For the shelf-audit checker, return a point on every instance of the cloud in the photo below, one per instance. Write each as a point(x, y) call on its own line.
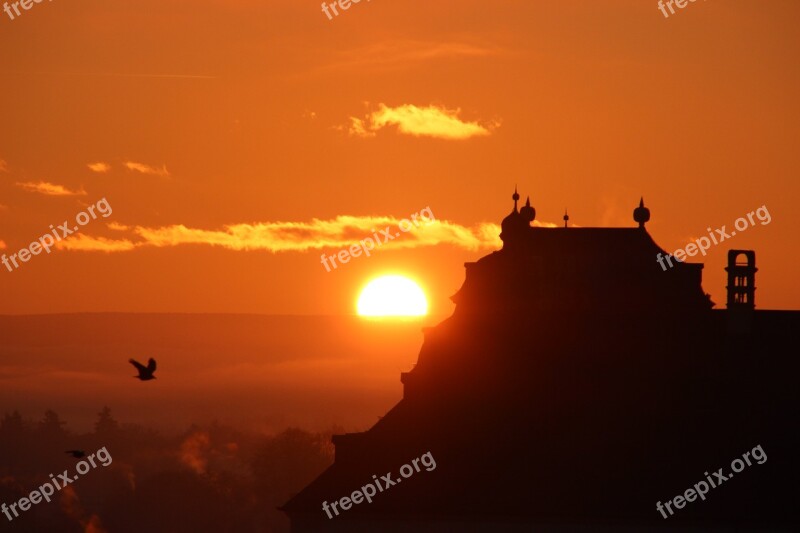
point(3, 166)
point(430, 121)
point(359, 128)
point(49, 189)
point(340, 232)
point(99, 167)
point(147, 169)
point(85, 243)
point(144, 75)
point(3, 245)
point(401, 53)
point(116, 226)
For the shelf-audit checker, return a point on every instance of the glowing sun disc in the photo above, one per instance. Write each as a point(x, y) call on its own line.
point(392, 296)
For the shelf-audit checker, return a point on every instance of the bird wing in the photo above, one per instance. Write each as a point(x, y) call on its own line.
point(139, 366)
point(151, 365)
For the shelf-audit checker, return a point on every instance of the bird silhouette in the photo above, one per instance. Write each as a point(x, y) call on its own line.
point(77, 454)
point(145, 372)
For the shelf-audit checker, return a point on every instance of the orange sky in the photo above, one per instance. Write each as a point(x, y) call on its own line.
point(234, 139)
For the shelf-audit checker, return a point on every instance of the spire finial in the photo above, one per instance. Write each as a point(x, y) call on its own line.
point(515, 197)
point(641, 214)
point(566, 217)
point(528, 212)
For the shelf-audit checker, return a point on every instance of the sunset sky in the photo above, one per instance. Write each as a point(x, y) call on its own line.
point(236, 141)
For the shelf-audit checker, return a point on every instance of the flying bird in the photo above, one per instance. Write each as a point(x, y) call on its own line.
point(77, 454)
point(145, 372)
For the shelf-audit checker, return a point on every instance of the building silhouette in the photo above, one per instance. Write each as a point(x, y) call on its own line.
point(576, 385)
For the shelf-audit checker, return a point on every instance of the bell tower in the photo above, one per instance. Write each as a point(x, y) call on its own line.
point(741, 279)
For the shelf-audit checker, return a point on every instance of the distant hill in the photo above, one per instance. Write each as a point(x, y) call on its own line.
point(257, 370)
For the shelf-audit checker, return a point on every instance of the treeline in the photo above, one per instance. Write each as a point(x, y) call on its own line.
point(208, 478)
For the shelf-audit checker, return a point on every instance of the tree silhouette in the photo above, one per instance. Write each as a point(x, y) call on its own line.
point(16, 440)
point(286, 459)
point(52, 424)
point(106, 424)
point(12, 424)
point(283, 464)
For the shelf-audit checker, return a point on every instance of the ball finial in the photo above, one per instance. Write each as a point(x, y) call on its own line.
point(515, 197)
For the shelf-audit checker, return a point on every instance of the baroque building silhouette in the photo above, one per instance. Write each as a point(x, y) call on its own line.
point(576, 385)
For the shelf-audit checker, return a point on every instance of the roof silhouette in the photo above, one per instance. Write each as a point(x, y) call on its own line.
point(576, 384)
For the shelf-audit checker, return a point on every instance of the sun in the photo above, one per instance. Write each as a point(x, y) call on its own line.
point(392, 296)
